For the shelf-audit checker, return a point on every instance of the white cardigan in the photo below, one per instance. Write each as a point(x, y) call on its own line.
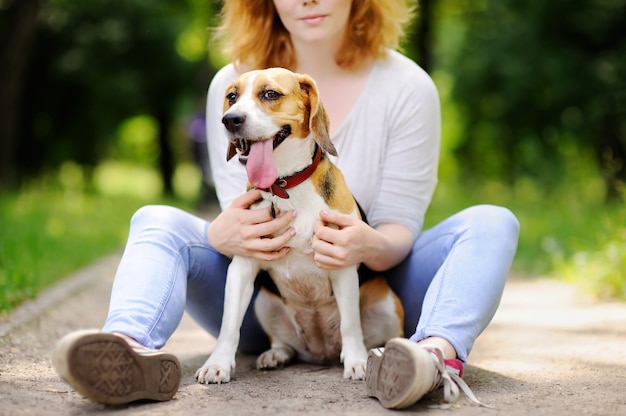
point(388, 144)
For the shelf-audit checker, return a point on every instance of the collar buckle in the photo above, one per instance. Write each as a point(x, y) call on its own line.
point(279, 187)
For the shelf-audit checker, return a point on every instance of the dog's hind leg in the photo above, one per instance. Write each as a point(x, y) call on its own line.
point(382, 315)
point(278, 356)
point(280, 326)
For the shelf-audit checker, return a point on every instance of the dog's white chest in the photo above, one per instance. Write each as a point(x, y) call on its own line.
point(307, 204)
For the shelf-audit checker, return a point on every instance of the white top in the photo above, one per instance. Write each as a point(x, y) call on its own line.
point(388, 145)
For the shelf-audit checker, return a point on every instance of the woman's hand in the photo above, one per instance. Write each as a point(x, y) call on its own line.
point(341, 240)
point(242, 231)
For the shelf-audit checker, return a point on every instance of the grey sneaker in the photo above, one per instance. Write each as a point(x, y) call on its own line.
point(403, 372)
point(114, 369)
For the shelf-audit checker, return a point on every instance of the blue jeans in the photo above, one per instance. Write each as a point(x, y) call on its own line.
point(450, 284)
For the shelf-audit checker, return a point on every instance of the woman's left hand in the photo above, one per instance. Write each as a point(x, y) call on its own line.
point(339, 240)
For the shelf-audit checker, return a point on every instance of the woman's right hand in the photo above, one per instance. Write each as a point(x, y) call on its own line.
point(241, 231)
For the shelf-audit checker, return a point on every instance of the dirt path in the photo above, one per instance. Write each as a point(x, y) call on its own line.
point(547, 352)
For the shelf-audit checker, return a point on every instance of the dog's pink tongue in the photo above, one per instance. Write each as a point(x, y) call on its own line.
point(260, 165)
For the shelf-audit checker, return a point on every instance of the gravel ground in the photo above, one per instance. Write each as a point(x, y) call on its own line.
point(549, 351)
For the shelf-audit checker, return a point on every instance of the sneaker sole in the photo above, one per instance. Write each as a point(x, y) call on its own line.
point(104, 368)
point(393, 375)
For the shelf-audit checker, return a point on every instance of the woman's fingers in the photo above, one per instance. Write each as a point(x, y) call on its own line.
point(327, 255)
point(275, 225)
point(267, 236)
point(269, 255)
point(266, 239)
point(338, 240)
point(246, 199)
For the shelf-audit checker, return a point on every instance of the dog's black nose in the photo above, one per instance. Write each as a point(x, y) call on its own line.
point(233, 121)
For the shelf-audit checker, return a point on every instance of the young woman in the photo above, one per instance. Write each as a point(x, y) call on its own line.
point(385, 124)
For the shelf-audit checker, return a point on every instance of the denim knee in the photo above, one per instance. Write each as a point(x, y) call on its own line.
point(151, 215)
point(494, 220)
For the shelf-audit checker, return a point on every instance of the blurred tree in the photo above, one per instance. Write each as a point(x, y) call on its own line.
point(422, 36)
point(18, 25)
point(537, 81)
point(98, 62)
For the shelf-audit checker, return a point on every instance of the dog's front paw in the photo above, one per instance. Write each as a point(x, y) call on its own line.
point(213, 373)
point(354, 369)
point(274, 358)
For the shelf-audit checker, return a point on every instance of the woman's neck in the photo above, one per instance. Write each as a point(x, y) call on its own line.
point(317, 60)
point(339, 88)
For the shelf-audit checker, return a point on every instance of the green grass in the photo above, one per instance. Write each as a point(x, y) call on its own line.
point(52, 228)
point(48, 234)
point(569, 234)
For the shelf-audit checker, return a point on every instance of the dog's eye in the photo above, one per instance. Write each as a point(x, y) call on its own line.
point(270, 95)
point(232, 98)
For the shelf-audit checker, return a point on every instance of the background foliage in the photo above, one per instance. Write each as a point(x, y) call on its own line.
point(541, 90)
point(100, 93)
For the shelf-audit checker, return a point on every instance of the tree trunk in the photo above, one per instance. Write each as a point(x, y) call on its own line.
point(16, 38)
point(611, 153)
point(423, 34)
point(166, 159)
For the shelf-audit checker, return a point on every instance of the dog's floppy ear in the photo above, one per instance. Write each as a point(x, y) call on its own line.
point(318, 119)
point(232, 151)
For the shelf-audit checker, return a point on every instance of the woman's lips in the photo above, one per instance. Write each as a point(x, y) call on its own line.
point(314, 19)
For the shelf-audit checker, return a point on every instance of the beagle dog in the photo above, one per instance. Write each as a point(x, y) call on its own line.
point(277, 125)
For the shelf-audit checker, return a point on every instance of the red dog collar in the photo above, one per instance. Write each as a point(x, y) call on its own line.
point(279, 187)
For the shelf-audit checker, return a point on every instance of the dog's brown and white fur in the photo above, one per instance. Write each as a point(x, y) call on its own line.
point(319, 314)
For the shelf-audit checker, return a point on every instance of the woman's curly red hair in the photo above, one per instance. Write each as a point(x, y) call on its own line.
point(255, 38)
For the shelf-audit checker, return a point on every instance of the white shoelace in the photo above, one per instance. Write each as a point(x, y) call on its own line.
point(451, 382)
